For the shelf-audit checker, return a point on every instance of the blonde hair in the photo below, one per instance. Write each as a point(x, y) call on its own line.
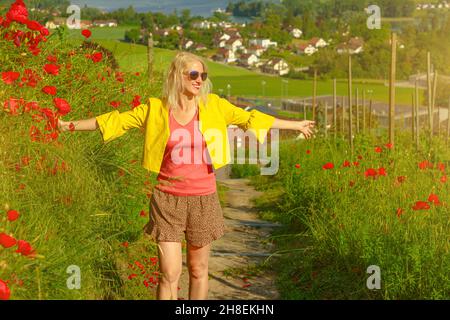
point(173, 84)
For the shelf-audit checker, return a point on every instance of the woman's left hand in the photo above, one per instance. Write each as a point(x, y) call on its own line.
point(306, 127)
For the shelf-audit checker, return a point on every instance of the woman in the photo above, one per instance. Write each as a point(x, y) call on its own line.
point(185, 138)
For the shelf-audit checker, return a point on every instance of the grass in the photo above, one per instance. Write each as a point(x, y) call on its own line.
point(338, 222)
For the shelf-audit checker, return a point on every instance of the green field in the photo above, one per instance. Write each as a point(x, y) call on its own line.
point(133, 57)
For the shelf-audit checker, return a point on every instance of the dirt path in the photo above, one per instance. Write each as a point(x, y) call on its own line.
point(241, 246)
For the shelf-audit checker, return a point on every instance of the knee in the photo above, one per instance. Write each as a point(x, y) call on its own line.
point(171, 276)
point(199, 270)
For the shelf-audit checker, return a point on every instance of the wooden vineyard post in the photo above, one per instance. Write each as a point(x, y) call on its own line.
point(343, 117)
point(433, 99)
point(448, 120)
point(413, 117)
point(430, 116)
point(357, 110)
point(370, 116)
point(304, 109)
point(392, 87)
point(150, 57)
point(314, 95)
point(364, 111)
point(334, 109)
point(417, 115)
point(350, 94)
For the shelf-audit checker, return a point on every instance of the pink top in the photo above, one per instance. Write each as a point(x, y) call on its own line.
point(183, 160)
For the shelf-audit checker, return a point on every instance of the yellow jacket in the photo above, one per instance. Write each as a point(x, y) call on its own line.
point(214, 119)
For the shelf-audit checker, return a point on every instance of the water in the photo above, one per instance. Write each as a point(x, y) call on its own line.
point(197, 7)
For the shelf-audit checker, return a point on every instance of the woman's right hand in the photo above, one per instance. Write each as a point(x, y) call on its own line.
point(61, 125)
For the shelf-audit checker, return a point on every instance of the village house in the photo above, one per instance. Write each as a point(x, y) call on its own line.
point(306, 49)
point(105, 23)
point(353, 46)
point(265, 43)
point(205, 24)
point(248, 60)
point(58, 22)
point(257, 50)
point(233, 44)
point(318, 42)
point(276, 66)
point(295, 32)
point(186, 44)
point(200, 47)
point(224, 55)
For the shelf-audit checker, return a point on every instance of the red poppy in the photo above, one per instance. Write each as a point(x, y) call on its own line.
point(97, 57)
point(356, 163)
point(71, 127)
point(142, 213)
point(443, 179)
point(18, 12)
point(10, 76)
point(13, 215)
point(360, 157)
point(433, 198)
point(49, 90)
point(86, 33)
point(131, 276)
point(328, 165)
point(119, 76)
point(297, 166)
point(115, 104)
point(308, 151)
point(7, 241)
point(34, 25)
point(421, 205)
point(5, 293)
point(351, 183)
point(378, 149)
point(125, 244)
point(25, 161)
point(52, 59)
point(381, 171)
point(346, 163)
point(425, 164)
point(441, 166)
point(370, 172)
point(136, 101)
point(62, 105)
point(399, 212)
point(389, 145)
point(51, 69)
point(24, 248)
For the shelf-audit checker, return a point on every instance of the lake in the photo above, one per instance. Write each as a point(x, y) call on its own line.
point(197, 7)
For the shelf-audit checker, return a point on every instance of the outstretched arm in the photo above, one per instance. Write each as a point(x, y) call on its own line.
point(81, 125)
point(306, 127)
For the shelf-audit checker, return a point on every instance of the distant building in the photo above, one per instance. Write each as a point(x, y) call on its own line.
point(200, 47)
point(353, 46)
point(318, 42)
point(248, 59)
point(276, 66)
point(255, 49)
point(186, 44)
point(225, 55)
point(105, 23)
point(296, 33)
point(265, 43)
point(233, 44)
point(306, 49)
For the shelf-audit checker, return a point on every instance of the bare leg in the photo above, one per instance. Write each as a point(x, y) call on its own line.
point(170, 262)
point(197, 261)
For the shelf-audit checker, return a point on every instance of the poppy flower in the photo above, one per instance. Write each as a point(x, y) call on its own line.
point(136, 101)
point(71, 127)
point(297, 166)
point(346, 163)
point(13, 215)
point(131, 276)
point(351, 183)
point(441, 166)
point(421, 205)
point(142, 213)
point(425, 164)
point(328, 165)
point(62, 105)
point(5, 293)
point(125, 244)
point(86, 33)
point(401, 179)
point(399, 212)
point(25, 161)
point(308, 151)
point(360, 157)
point(7, 241)
point(115, 104)
point(389, 145)
point(97, 57)
point(10, 76)
point(433, 198)
point(52, 59)
point(34, 25)
point(51, 69)
point(24, 248)
point(356, 163)
point(381, 171)
point(49, 90)
point(370, 172)
point(378, 149)
point(443, 179)
point(18, 12)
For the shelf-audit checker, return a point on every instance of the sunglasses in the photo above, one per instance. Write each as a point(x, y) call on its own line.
point(193, 75)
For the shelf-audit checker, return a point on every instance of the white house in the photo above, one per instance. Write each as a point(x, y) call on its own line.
point(276, 66)
point(318, 42)
point(105, 23)
point(248, 59)
point(296, 33)
point(265, 43)
point(187, 44)
point(257, 50)
point(200, 47)
point(225, 55)
point(353, 46)
point(306, 49)
point(233, 44)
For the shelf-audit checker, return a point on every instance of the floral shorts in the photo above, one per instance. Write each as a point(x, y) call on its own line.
point(199, 217)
